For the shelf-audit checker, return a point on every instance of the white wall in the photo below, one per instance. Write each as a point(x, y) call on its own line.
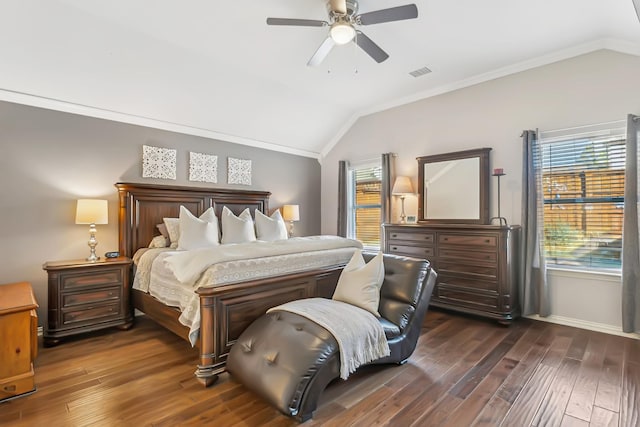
point(598, 87)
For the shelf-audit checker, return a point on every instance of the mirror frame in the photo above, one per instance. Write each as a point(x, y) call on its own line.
point(483, 181)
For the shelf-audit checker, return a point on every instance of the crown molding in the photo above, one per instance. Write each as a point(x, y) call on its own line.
point(100, 113)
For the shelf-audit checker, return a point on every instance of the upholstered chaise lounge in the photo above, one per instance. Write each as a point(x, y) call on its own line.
point(289, 360)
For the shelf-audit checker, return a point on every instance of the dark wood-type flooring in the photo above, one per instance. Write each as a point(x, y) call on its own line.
point(464, 372)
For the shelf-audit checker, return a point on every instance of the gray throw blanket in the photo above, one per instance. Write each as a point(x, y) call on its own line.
point(359, 334)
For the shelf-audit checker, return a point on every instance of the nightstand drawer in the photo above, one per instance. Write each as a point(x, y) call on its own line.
point(92, 278)
point(98, 296)
point(100, 313)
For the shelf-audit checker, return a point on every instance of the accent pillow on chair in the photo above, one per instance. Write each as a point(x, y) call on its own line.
point(237, 229)
point(270, 228)
point(359, 283)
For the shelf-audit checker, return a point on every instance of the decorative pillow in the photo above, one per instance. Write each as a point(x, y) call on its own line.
point(173, 230)
point(162, 228)
point(359, 283)
point(159, 242)
point(197, 232)
point(270, 228)
point(237, 229)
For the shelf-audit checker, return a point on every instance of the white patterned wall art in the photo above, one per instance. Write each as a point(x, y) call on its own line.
point(203, 167)
point(239, 171)
point(158, 162)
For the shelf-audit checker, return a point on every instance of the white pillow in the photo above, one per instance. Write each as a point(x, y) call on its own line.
point(359, 283)
point(270, 228)
point(158, 242)
point(197, 232)
point(237, 229)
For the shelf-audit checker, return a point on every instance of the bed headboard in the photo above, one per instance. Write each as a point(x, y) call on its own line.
point(142, 207)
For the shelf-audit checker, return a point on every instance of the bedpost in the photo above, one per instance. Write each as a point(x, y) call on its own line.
point(207, 372)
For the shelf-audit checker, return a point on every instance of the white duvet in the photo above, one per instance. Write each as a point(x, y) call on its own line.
point(187, 266)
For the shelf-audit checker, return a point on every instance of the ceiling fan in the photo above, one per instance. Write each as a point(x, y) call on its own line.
point(343, 19)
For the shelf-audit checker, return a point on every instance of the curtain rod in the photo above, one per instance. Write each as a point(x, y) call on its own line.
point(621, 122)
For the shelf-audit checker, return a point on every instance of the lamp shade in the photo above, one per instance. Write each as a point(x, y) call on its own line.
point(291, 212)
point(92, 211)
point(402, 185)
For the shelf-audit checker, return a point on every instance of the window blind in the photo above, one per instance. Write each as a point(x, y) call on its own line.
point(583, 192)
point(367, 204)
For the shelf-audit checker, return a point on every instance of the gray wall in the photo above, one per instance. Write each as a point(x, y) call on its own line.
point(590, 89)
point(49, 159)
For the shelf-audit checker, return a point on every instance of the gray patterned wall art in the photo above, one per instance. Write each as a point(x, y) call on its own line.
point(203, 167)
point(239, 171)
point(158, 162)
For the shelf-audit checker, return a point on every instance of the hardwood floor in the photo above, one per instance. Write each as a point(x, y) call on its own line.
point(464, 372)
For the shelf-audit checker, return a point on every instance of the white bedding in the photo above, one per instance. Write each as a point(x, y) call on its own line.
point(155, 275)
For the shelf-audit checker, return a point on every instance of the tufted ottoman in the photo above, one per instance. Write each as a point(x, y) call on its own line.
point(289, 360)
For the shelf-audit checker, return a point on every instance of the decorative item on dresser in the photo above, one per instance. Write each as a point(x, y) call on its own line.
point(86, 296)
point(477, 265)
point(18, 340)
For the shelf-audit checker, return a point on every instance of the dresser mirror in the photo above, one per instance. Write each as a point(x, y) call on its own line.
point(454, 187)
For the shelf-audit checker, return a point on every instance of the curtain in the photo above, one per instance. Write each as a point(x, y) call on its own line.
point(534, 294)
point(388, 177)
point(343, 198)
point(630, 237)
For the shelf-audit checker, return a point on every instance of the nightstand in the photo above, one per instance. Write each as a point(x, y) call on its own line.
point(87, 296)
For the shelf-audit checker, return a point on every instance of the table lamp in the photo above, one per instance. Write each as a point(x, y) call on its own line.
point(401, 187)
point(291, 213)
point(92, 212)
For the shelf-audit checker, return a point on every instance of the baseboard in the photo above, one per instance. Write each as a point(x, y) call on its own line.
point(584, 324)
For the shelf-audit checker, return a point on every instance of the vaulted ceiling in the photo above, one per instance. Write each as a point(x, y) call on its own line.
point(215, 69)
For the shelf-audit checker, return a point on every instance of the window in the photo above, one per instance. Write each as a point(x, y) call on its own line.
point(583, 191)
point(365, 204)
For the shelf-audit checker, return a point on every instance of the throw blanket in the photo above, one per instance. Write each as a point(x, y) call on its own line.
point(359, 334)
point(187, 266)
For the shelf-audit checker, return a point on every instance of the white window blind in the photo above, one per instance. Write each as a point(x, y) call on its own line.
point(365, 204)
point(583, 191)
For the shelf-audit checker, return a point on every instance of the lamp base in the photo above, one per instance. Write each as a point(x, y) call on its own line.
point(290, 229)
point(92, 244)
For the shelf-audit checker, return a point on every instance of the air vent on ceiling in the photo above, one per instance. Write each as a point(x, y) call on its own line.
point(420, 72)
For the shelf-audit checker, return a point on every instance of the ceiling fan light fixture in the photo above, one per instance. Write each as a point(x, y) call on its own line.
point(342, 32)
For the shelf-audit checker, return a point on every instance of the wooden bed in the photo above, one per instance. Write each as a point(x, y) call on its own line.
point(225, 310)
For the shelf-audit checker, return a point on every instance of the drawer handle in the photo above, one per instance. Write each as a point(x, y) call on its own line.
point(394, 248)
point(446, 239)
point(487, 241)
point(394, 235)
point(10, 388)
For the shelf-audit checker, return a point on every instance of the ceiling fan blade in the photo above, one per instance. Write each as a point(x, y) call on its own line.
point(339, 6)
point(636, 4)
point(399, 13)
point(372, 49)
point(322, 52)
point(296, 22)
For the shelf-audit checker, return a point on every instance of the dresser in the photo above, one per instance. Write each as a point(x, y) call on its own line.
point(477, 265)
point(87, 296)
point(18, 339)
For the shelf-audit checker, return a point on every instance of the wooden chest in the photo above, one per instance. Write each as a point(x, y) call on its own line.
point(18, 339)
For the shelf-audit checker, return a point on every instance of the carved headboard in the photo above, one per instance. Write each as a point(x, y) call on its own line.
point(143, 206)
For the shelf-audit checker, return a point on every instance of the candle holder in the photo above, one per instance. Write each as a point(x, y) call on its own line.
point(498, 172)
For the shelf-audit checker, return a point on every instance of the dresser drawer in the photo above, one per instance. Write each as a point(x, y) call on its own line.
point(17, 385)
point(414, 251)
point(467, 299)
point(465, 269)
point(468, 283)
point(93, 314)
point(488, 256)
point(407, 236)
point(91, 278)
point(91, 297)
point(468, 240)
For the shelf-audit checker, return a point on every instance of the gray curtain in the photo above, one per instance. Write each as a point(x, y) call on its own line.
point(630, 237)
point(343, 201)
point(388, 177)
point(534, 294)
